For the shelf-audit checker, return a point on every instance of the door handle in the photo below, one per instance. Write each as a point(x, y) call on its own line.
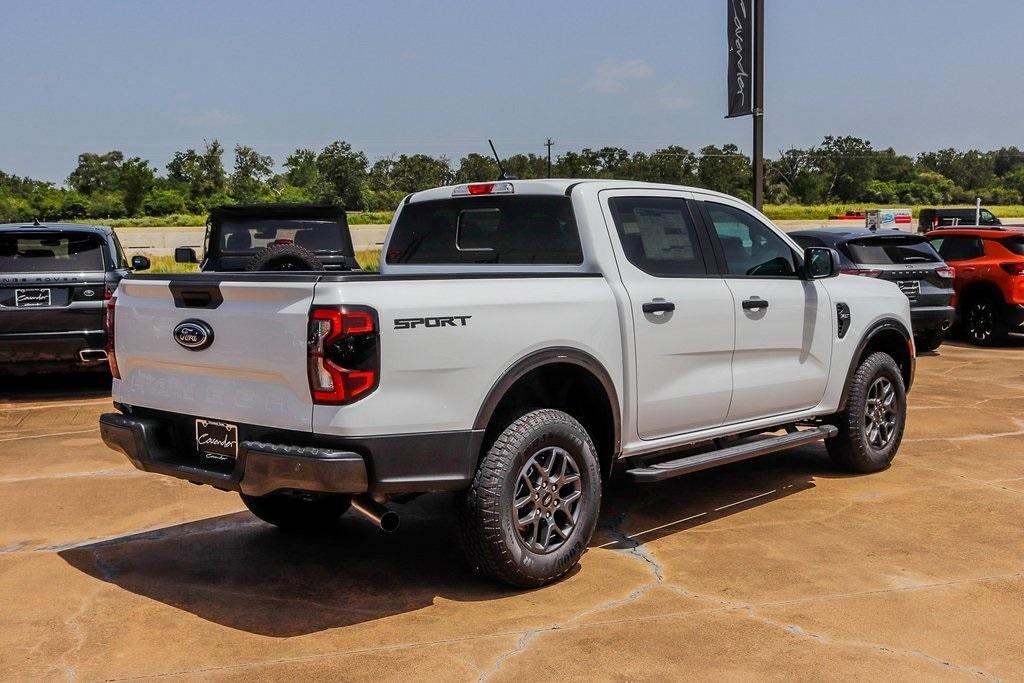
point(659, 307)
point(754, 304)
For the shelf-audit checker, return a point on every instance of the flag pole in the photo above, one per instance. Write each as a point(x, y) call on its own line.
point(758, 154)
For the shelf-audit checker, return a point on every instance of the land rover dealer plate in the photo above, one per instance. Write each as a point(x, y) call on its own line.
point(216, 440)
point(27, 298)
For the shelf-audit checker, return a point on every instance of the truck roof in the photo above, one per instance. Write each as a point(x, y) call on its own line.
point(558, 186)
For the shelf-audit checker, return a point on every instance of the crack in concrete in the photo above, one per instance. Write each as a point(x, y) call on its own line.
point(797, 630)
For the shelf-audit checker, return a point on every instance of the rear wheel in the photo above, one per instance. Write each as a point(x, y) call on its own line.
point(983, 322)
point(533, 505)
point(871, 426)
point(298, 512)
point(929, 341)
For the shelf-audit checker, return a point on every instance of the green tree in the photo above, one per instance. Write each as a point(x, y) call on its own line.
point(673, 164)
point(135, 178)
point(847, 163)
point(300, 169)
point(475, 168)
point(96, 172)
point(251, 173)
point(344, 171)
point(970, 170)
point(725, 169)
point(203, 173)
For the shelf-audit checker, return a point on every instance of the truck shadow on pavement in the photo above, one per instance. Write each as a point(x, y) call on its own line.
point(45, 387)
point(236, 571)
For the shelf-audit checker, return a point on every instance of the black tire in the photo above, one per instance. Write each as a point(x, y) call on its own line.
point(860, 445)
point(983, 323)
point(929, 341)
point(533, 553)
point(298, 513)
point(284, 257)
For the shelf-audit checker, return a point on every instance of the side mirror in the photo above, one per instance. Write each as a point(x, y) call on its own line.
point(140, 263)
point(185, 255)
point(820, 262)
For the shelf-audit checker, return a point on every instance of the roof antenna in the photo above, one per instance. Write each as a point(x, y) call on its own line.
point(35, 222)
point(505, 175)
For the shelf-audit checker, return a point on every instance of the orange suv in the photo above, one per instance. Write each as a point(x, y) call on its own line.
point(989, 282)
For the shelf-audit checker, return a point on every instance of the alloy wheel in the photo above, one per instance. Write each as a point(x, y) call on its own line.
point(981, 321)
point(546, 503)
point(881, 413)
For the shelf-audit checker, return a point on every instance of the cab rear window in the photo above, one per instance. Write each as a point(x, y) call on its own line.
point(515, 230)
point(42, 252)
point(891, 250)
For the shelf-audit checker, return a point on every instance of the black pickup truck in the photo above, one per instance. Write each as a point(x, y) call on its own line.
point(55, 280)
point(274, 237)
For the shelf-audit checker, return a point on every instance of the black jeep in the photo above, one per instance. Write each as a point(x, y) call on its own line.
point(275, 237)
point(55, 280)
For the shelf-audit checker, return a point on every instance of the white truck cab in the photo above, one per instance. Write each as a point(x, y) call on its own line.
point(524, 340)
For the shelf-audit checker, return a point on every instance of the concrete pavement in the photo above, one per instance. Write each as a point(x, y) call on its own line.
point(780, 568)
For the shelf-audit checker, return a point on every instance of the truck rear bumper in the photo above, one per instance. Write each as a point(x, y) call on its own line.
point(263, 467)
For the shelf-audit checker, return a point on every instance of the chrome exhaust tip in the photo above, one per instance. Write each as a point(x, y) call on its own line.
point(946, 324)
point(92, 355)
point(387, 520)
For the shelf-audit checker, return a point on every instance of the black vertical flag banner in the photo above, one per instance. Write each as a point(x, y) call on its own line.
point(740, 85)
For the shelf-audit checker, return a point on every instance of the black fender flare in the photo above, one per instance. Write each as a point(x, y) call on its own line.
point(872, 332)
point(550, 356)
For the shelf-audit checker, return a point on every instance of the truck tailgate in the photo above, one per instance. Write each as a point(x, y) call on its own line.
point(254, 371)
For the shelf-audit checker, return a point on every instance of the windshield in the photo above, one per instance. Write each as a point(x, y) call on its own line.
point(50, 252)
point(538, 230)
point(891, 250)
point(248, 236)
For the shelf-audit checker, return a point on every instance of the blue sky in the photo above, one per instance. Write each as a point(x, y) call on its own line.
point(441, 77)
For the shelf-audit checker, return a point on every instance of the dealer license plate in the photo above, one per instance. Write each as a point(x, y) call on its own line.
point(216, 440)
point(28, 298)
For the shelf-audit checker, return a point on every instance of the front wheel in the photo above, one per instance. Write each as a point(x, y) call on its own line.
point(871, 426)
point(290, 512)
point(533, 504)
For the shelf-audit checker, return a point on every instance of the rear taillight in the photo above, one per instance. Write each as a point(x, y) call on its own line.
point(946, 271)
point(344, 354)
point(108, 291)
point(865, 272)
point(108, 322)
point(1014, 268)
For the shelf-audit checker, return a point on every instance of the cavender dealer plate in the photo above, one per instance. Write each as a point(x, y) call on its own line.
point(216, 440)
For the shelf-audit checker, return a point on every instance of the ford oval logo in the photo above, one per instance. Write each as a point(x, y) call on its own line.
point(194, 335)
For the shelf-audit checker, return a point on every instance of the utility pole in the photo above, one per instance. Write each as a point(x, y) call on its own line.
point(548, 145)
point(758, 104)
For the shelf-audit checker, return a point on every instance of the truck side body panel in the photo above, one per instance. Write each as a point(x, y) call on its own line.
point(445, 342)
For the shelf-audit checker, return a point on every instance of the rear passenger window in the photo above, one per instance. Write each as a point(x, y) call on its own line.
point(657, 235)
point(752, 249)
point(959, 247)
point(515, 230)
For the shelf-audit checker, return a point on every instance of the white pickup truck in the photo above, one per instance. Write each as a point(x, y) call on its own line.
point(523, 341)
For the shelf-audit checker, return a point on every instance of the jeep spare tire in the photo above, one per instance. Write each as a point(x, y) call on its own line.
point(284, 257)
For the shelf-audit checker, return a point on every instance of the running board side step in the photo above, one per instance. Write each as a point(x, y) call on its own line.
point(744, 451)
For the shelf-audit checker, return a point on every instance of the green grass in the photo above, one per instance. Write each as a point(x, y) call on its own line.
point(167, 264)
point(369, 260)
